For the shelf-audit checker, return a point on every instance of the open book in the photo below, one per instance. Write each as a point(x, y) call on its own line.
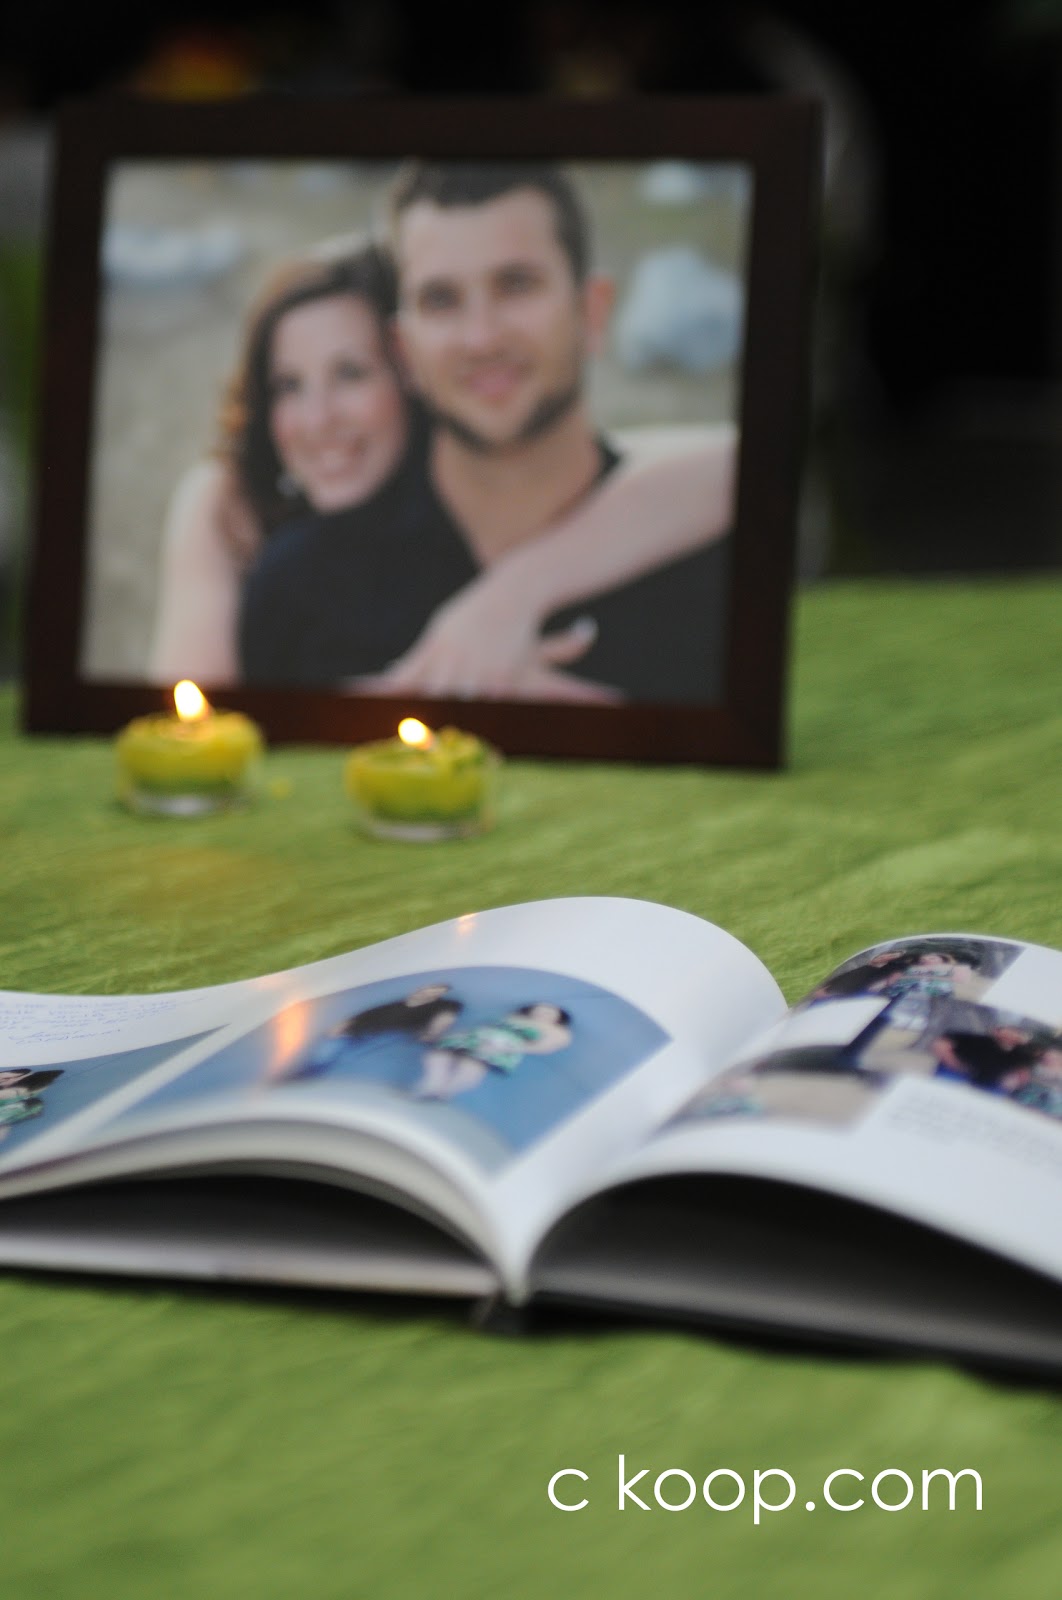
point(591, 1103)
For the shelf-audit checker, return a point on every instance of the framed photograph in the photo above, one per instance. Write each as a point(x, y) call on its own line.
point(489, 412)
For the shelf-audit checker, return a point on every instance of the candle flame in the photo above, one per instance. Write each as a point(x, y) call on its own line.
point(190, 702)
point(412, 731)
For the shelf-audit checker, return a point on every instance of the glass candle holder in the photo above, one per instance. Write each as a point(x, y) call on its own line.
point(423, 787)
point(188, 765)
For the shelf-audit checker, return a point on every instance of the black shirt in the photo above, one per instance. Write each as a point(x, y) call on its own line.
point(335, 596)
point(858, 980)
point(398, 1017)
point(984, 1061)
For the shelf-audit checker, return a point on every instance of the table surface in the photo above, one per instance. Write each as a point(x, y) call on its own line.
point(181, 1442)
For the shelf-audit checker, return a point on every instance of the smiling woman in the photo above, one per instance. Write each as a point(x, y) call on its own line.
point(313, 418)
point(337, 415)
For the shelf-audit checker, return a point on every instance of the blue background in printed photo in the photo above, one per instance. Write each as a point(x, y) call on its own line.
point(610, 1037)
point(86, 1081)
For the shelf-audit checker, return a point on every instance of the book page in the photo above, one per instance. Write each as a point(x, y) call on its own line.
point(508, 1052)
point(684, 996)
point(45, 1029)
point(924, 1075)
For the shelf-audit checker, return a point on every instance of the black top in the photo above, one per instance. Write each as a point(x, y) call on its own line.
point(338, 595)
point(859, 980)
point(985, 1061)
point(399, 1017)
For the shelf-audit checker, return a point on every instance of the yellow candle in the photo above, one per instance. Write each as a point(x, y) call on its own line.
point(423, 785)
point(190, 763)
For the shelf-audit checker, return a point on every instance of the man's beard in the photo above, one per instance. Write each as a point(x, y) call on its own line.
point(550, 410)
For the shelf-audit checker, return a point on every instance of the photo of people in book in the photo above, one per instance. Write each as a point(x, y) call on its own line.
point(455, 1059)
point(979, 1047)
point(21, 1099)
point(445, 428)
point(921, 968)
point(931, 1022)
point(491, 1058)
point(34, 1100)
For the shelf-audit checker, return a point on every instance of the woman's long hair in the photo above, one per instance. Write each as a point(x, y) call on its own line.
point(364, 270)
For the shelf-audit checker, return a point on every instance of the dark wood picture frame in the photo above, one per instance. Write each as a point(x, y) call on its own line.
point(777, 139)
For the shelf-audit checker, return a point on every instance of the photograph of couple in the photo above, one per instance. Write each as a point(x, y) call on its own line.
point(489, 1059)
point(445, 429)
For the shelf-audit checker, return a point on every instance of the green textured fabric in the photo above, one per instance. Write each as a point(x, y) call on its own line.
point(183, 1443)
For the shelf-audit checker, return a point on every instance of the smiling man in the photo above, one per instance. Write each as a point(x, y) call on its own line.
point(500, 314)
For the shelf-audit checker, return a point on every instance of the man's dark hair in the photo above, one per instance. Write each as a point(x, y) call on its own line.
point(474, 183)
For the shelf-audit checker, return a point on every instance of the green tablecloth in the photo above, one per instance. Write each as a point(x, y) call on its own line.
point(181, 1443)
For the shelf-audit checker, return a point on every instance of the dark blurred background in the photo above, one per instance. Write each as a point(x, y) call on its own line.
point(937, 432)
